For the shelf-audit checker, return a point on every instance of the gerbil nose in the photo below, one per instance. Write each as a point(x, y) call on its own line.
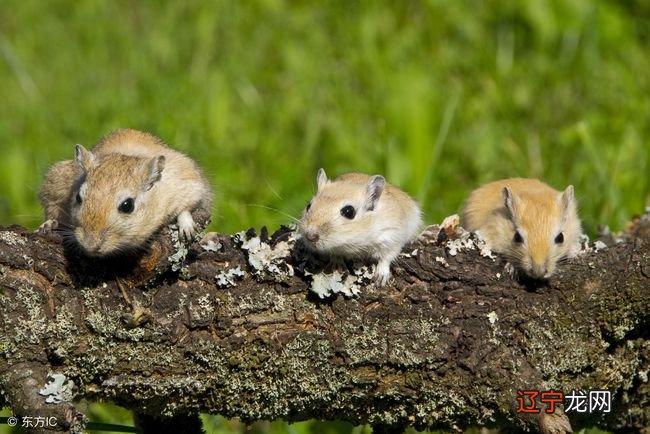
point(88, 241)
point(312, 236)
point(539, 271)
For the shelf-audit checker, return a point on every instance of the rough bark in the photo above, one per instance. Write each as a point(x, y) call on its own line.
point(447, 344)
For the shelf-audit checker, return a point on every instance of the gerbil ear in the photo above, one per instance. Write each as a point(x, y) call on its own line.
point(510, 200)
point(568, 200)
point(84, 157)
point(155, 167)
point(373, 192)
point(321, 178)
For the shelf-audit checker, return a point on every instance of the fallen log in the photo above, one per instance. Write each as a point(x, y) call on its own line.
point(251, 326)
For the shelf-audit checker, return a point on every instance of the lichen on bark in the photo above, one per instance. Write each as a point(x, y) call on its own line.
point(446, 344)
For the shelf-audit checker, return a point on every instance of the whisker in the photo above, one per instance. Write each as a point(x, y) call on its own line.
point(563, 260)
point(295, 220)
point(268, 184)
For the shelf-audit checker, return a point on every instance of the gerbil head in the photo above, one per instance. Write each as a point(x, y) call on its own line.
point(340, 216)
point(112, 210)
point(545, 229)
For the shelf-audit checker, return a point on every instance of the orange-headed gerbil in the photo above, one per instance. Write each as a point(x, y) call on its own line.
point(360, 216)
point(533, 225)
point(112, 199)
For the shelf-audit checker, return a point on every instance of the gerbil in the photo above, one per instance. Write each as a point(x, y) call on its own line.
point(531, 224)
point(358, 215)
point(113, 198)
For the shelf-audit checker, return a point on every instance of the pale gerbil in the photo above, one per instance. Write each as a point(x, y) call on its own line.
point(531, 224)
point(113, 199)
point(358, 215)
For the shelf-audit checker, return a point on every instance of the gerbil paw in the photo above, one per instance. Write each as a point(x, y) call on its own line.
point(186, 226)
point(510, 269)
point(382, 272)
point(381, 279)
point(47, 227)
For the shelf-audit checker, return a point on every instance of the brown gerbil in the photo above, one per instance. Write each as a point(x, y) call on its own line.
point(531, 224)
point(113, 198)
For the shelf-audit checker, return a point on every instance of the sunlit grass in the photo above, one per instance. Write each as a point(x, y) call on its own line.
point(263, 93)
point(439, 96)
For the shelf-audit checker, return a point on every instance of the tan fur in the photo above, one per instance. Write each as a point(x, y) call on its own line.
point(379, 233)
point(540, 214)
point(57, 192)
point(118, 168)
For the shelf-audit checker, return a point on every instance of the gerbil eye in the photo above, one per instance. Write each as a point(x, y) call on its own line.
point(560, 238)
point(308, 206)
point(78, 198)
point(126, 207)
point(348, 212)
point(518, 238)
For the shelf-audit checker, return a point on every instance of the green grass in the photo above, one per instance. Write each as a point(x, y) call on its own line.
point(440, 96)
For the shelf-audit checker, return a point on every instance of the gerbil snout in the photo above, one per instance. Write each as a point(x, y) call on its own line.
point(91, 243)
point(539, 271)
point(312, 235)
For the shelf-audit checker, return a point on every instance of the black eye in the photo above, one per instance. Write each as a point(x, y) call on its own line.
point(126, 207)
point(78, 198)
point(560, 238)
point(518, 238)
point(348, 212)
point(308, 207)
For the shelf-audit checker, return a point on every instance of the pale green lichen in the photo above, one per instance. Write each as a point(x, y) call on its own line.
point(110, 322)
point(267, 261)
point(63, 331)
point(180, 309)
point(30, 329)
point(58, 389)
point(495, 332)
point(12, 238)
point(350, 285)
point(464, 241)
point(177, 260)
point(325, 285)
point(211, 245)
point(201, 311)
point(406, 351)
point(543, 341)
point(442, 261)
point(624, 326)
point(228, 278)
point(265, 299)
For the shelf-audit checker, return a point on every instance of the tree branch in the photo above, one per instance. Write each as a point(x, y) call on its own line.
point(238, 332)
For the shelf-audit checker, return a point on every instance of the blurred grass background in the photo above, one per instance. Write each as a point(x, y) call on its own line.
point(439, 96)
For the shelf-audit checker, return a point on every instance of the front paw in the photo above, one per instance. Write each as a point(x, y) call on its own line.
point(47, 227)
point(186, 226)
point(381, 279)
point(382, 273)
